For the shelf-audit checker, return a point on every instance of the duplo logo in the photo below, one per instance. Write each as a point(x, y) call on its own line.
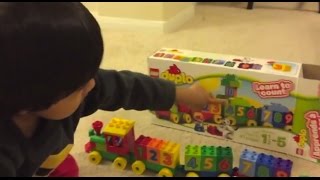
point(174, 74)
point(301, 138)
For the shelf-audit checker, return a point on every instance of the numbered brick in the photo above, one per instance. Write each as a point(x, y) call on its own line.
point(277, 120)
point(241, 115)
point(192, 158)
point(208, 160)
point(229, 111)
point(170, 154)
point(141, 147)
point(153, 153)
point(247, 164)
point(224, 159)
point(266, 116)
point(281, 167)
point(288, 118)
point(215, 108)
point(264, 165)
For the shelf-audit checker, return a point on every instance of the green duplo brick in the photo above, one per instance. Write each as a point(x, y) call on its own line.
point(227, 153)
point(174, 109)
point(225, 159)
point(196, 59)
point(97, 139)
point(91, 132)
point(192, 158)
point(208, 160)
point(101, 147)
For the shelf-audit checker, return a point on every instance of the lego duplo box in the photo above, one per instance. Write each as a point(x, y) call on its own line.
point(265, 103)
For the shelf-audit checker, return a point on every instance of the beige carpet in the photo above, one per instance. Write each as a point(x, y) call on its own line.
point(266, 32)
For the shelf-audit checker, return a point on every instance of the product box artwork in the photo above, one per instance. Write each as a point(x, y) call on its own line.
point(265, 103)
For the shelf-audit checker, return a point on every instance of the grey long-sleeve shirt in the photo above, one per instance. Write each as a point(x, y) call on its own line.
point(53, 139)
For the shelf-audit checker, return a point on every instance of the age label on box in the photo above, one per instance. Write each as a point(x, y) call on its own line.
point(313, 124)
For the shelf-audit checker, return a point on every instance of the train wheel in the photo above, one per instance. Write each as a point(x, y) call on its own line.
point(233, 121)
point(187, 118)
point(192, 174)
point(138, 167)
point(120, 163)
point(223, 175)
point(288, 128)
point(252, 123)
point(174, 118)
point(165, 172)
point(95, 157)
point(267, 124)
point(217, 119)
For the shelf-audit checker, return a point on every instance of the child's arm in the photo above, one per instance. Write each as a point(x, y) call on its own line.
point(130, 90)
point(7, 167)
point(195, 96)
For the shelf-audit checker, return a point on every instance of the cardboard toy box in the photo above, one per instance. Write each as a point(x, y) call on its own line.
point(269, 104)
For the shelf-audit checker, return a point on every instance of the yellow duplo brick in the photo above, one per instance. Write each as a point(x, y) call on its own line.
point(118, 127)
point(170, 155)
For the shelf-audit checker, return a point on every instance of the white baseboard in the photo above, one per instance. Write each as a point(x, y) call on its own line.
point(146, 25)
point(179, 19)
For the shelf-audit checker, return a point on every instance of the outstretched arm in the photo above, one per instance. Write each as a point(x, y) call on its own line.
point(136, 91)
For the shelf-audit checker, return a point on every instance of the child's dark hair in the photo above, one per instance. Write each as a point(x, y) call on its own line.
point(47, 51)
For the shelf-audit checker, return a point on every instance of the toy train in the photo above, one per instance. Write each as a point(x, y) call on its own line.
point(236, 109)
point(117, 143)
point(274, 115)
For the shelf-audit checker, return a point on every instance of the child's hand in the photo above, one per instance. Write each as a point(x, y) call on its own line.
point(195, 96)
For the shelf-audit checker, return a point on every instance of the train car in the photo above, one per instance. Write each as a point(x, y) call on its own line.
point(156, 155)
point(242, 113)
point(208, 161)
point(253, 164)
point(277, 115)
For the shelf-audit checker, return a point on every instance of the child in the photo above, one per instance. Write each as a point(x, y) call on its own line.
point(50, 55)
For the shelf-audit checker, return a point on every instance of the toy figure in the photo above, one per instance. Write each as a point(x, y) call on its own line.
point(226, 129)
point(199, 125)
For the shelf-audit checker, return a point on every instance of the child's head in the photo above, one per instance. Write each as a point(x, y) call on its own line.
point(49, 53)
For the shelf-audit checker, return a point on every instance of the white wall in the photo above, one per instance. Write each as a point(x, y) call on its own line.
point(138, 10)
point(164, 16)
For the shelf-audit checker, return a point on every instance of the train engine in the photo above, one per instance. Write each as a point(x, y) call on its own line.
point(117, 143)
